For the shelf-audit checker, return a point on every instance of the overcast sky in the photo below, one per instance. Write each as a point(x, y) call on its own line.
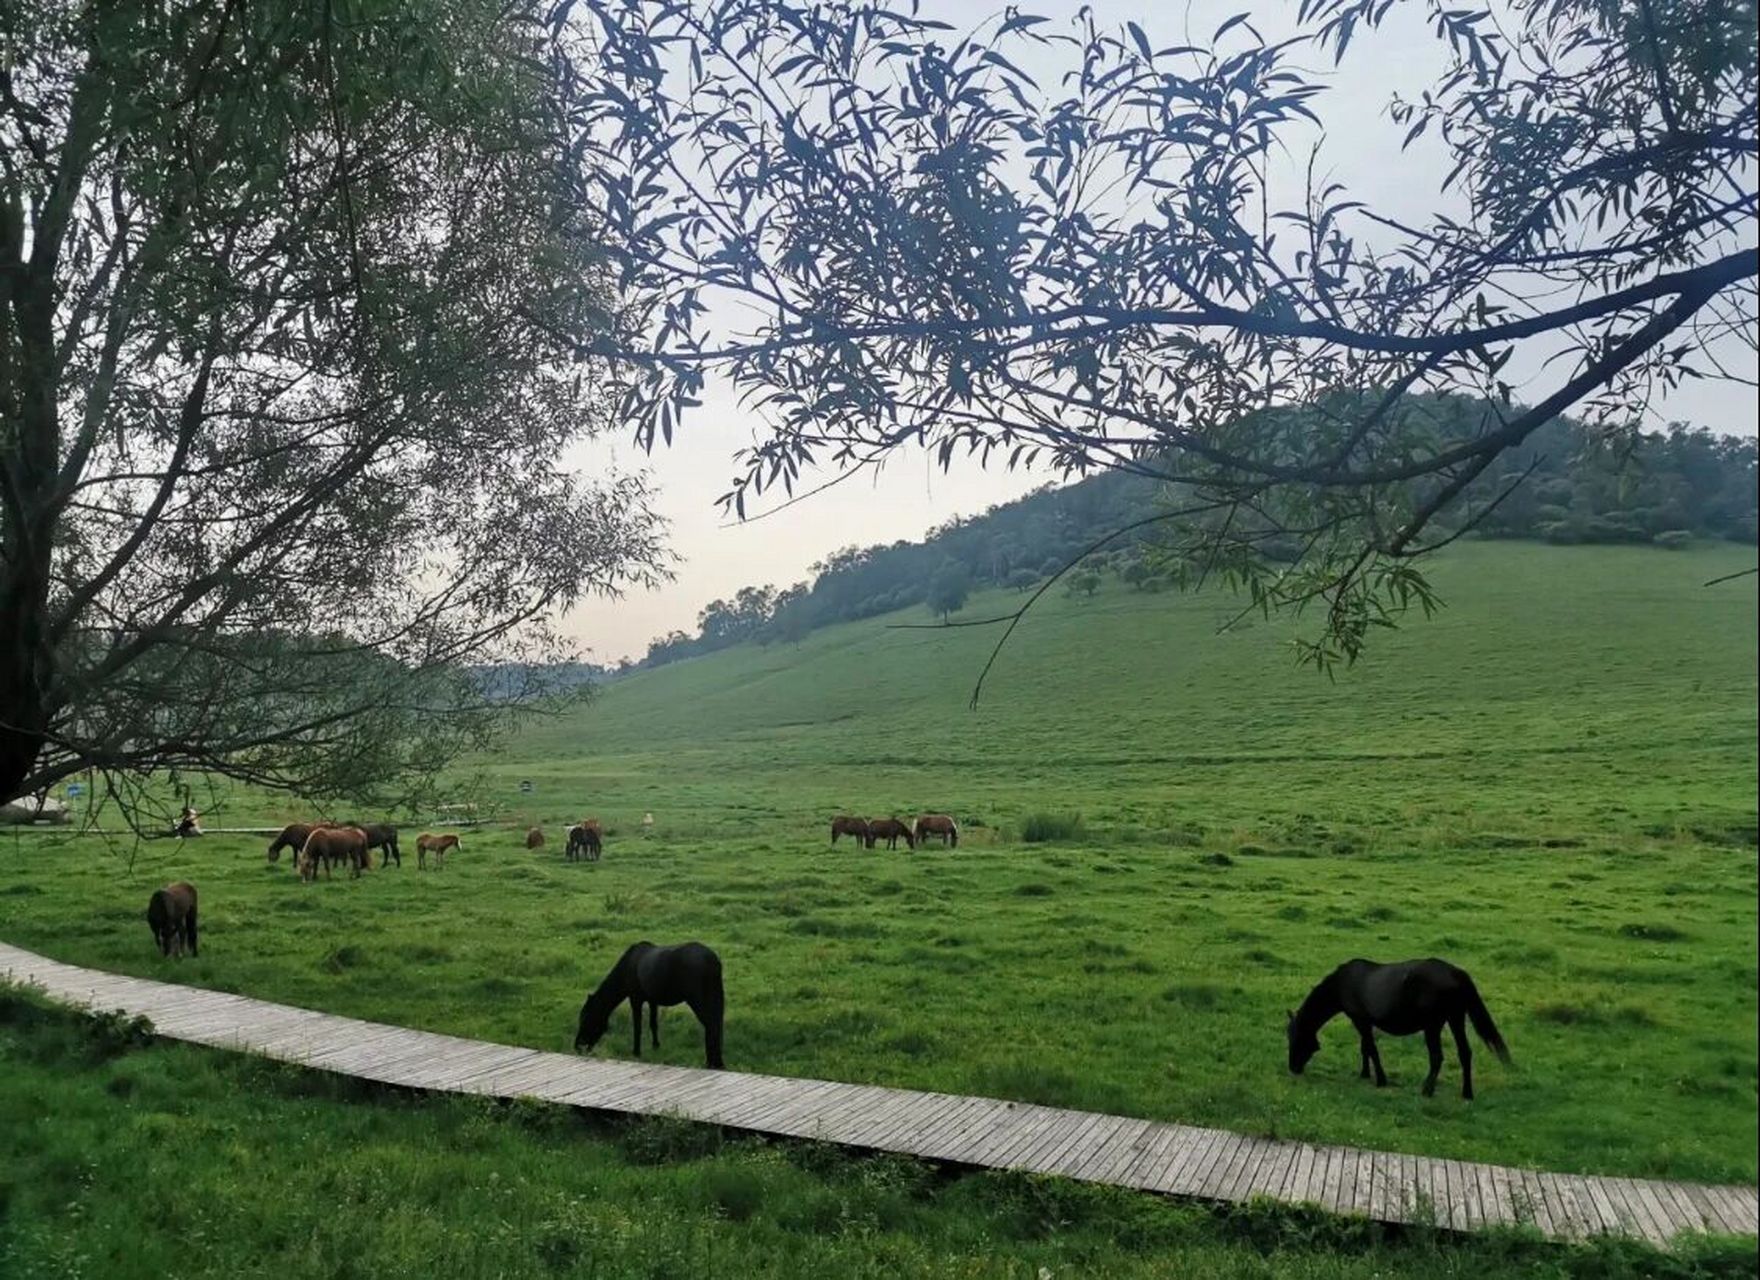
point(909, 496)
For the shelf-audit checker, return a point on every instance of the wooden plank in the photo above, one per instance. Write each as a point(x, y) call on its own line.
point(1616, 1219)
point(1084, 1144)
point(1332, 1194)
point(958, 1129)
point(1682, 1210)
point(1236, 1151)
point(764, 1096)
point(1662, 1214)
point(1588, 1207)
point(1494, 1208)
point(1269, 1177)
point(1008, 1130)
point(1177, 1175)
point(1740, 1207)
point(1696, 1199)
point(879, 1114)
point(1295, 1187)
point(1364, 1201)
point(909, 1118)
point(790, 1106)
point(1030, 1127)
point(1414, 1195)
point(1109, 1153)
point(1262, 1152)
point(1160, 1146)
point(1055, 1127)
point(1208, 1173)
point(1652, 1225)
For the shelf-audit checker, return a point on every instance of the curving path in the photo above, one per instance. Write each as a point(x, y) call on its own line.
point(1173, 1159)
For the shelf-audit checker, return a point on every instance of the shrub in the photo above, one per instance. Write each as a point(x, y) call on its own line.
point(1040, 828)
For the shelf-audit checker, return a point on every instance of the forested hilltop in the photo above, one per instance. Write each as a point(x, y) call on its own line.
point(1668, 488)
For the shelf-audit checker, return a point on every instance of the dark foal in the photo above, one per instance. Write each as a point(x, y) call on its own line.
point(1400, 999)
point(383, 837)
point(688, 973)
point(171, 915)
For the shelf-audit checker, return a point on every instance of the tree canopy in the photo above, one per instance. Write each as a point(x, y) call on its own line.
point(292, 301)
point(1135, 265)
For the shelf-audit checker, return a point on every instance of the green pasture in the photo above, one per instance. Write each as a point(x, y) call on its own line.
point(1551, 783)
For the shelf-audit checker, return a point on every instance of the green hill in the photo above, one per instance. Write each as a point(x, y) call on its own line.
point(1588, 691)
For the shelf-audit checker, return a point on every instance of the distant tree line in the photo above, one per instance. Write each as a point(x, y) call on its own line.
point(1564, 485)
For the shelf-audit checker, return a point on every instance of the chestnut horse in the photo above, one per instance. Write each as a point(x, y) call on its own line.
point(331, 845)
point(844, 825)
point(427, 843)
point(171, 914)
point(889, 830)
point(938, 824)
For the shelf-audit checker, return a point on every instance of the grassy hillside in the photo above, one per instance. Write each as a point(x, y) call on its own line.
point(1597, 690)
point(1551, 783)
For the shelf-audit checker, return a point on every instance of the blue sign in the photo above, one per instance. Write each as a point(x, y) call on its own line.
point(75, 790)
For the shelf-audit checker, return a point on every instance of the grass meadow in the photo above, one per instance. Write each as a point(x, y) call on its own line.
point(1170, 834)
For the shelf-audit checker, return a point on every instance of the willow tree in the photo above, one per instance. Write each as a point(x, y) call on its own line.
point(292, 297)
point(881, 230)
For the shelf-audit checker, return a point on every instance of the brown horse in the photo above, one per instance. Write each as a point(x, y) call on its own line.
point(586, 840)
point(331, 845)
point(437, 845)
point(171, 914)
point(293, 836)
point(535, 838)
point(889, 830)
point(938, 824)
point(844, 825)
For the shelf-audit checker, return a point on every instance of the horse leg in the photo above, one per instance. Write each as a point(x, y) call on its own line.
point(1433, 1042)
point(654, 1024)
point(709, 1009)
point(1463, 1051)
point(189, 929)
point(1375, 1057)
point(635, 1016)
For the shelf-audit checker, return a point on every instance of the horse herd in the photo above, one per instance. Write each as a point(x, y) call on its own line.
point(586, 841)
point(870, 831)
point(1406, 998)
point(325, 844)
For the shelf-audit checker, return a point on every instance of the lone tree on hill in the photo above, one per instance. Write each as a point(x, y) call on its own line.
point(292, 298)
point(948, 589)
point(1128, 262)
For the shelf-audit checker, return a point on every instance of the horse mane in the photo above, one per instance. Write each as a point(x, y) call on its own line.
point(1321, 1003)
point(615, 978)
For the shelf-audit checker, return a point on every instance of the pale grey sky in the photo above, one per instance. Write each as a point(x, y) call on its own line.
point(907, 498)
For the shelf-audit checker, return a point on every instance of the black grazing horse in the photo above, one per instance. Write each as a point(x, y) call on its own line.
point(1400, 999)
point(688, 973)
point(383, 837)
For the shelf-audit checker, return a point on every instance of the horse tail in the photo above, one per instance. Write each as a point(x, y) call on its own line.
point(1480, 1017)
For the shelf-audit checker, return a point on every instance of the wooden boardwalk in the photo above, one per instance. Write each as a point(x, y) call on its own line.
point(1172, 1159)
